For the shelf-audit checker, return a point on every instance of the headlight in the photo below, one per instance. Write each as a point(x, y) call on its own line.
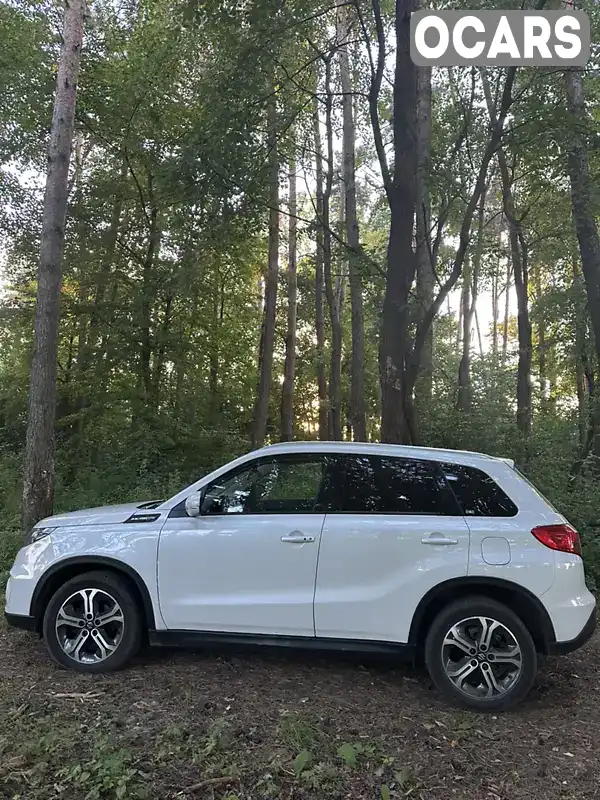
point(36, 534)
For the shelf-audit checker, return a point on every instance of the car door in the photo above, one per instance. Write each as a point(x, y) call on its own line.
point(397, 532)
point(248, 563)
point(502, 545)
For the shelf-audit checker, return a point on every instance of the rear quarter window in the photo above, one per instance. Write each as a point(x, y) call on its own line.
point(477, 494)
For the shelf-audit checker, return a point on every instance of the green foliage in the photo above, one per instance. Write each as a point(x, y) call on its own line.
point(166, 244)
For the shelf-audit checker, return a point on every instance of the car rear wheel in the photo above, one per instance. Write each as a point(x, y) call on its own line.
point(480, 655)
point(93, 623)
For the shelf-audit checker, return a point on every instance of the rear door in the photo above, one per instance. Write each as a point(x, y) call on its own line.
point(395, 534)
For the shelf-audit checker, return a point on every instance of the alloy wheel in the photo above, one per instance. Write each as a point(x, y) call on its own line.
point(482, 657)
point(89, 626)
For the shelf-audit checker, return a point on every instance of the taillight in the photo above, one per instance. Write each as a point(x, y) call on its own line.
point(561, 537)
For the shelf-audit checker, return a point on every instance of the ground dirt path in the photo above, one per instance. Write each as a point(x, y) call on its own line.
point(276, 725)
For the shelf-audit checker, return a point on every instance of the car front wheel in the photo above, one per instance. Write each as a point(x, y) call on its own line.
point(93, 623)
point(480, 655)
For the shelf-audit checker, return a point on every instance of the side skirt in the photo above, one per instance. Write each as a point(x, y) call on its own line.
point(192, 639)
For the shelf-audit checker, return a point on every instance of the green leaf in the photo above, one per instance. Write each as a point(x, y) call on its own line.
point(403, 777)
point(385, 792)
point(301, 761)
point(348, 753)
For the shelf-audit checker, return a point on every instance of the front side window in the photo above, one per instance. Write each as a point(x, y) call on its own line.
point(477, 494)
point(270, 486)
point(389, 485)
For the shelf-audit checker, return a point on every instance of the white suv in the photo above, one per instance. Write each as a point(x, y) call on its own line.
point(360, 547)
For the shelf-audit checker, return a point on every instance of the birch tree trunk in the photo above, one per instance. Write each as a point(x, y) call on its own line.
point(38, 484)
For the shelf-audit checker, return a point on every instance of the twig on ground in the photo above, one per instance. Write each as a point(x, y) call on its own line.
point(205, 784)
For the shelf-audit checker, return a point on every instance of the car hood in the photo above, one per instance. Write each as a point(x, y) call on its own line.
point(103, 515)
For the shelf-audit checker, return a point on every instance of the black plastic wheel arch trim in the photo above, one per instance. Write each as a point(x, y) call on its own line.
point(478, 584)
point(93, 562)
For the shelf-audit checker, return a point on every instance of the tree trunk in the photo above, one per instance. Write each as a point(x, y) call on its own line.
point(495, 308)
point(463, 401)
point(518, 256)
point(146, 398)
point(287, 399)
point(161, 351)
point(519, 265)
point(469, 300)
point(261, 409)
point(507, 285)
point(319, 299)
point(357, 415)
point(397, 418)
point(425, 268)
point(580, 357)
point(335, 376)
point(584, 218)
point(541, 342)
point(38, 484)
point(215, 332)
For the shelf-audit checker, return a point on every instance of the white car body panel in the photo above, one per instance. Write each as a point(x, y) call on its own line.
point(361, 578)
point(233, 573)
point(135, 545)
point(374, 570)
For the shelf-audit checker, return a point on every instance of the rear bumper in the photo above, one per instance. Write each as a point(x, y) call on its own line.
point(561, 648)
point(23, 621)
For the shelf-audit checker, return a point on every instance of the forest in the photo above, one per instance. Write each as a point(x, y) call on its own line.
point(278, 227)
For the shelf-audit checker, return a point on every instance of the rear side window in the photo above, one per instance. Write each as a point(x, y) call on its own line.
point(381, 485)
point(478, 495)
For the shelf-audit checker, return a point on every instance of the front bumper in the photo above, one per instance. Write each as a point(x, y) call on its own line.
point(562, 648)
point(23, 621)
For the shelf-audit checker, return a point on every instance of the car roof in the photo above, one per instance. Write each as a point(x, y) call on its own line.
point(407, 451)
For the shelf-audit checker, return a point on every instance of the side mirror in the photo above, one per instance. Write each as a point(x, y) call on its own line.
point(193, 504)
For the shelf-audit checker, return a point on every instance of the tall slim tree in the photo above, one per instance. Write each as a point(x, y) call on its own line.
point(469, 306)
point(335, 316)
point(319, 279)
point(357, 363)
point(38, 485)
point(397, 423)
point(267, 338)
point(289, 372)
point(425, 256)
point(584, 218)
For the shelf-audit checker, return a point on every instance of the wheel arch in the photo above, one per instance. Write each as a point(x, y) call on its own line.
point(69, 568)
point(525, 604)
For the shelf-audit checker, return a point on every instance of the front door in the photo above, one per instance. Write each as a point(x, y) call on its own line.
point(248, 563)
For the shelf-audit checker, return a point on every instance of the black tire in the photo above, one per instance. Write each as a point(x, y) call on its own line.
point(129, 632)
point(514, 690)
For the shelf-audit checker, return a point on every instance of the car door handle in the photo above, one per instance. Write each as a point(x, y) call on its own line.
point(297, 538)
point(438, 538)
